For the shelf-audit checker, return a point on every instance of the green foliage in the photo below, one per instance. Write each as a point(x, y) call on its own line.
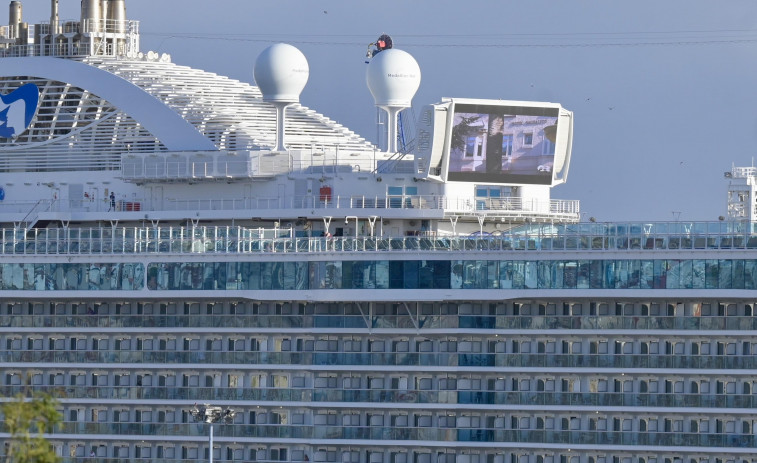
point(460, 131)
point(27, 420)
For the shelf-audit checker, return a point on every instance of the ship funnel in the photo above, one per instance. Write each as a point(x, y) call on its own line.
point(281, 72)
point(15, 17)
point(393, 77)
point(54, 20)
point(91, 15)
point(116, 16)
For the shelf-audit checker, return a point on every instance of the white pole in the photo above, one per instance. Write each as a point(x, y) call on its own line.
point(211, 443)
point(280, 123)
point(391, 132)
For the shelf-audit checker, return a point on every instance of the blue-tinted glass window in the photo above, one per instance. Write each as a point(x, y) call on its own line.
point(673, 274)
point(266, 275)
point(469, 274)
point(423, 274)
point(660, 277)
point(492, 274)
point(584, 274)
point(518, 269)
point(441, 270)
point(301, 277)
point(216, 279)
point(347, 277)
point(634, 274)
point(290, 275)
point(382, 274)
point(506, 275)
point(277, 275)
point(570, 273)
point(456, 274)
point(687, 274)
point(698, 274)
point(750, 274)
point(426, 275)
point(334, 275)
point(737, 271)
point(410, 272)
point(724, 275)
point(596, 280)
point(647, 274)
point(396, 274)
point(530, 275)
point(252, 275)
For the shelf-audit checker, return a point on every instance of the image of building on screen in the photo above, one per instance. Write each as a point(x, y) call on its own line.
point(501, 147)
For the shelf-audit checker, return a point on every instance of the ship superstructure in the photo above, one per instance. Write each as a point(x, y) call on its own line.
point(173, 237)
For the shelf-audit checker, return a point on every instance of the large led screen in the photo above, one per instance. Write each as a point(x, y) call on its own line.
point(502, 144)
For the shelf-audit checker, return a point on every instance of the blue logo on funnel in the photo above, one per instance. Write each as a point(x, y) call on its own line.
point(17, 110)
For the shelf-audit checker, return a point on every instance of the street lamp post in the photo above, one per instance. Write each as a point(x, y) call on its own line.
point(212, 415)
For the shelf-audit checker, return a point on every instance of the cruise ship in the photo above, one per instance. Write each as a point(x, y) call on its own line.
point(198, 268)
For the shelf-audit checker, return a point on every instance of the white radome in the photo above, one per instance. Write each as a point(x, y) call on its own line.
point(393, 77)
point(281, 72)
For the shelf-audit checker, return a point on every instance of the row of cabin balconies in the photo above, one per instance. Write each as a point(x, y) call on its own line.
point(101, 451)
point(695, 313)
point(567, 350)
point(715, 432)
point(715, 422)
point(659, 308)
point(414, 387)
point(641, 420)
point(382, 359)
point(406, 398)
point(359, 321)
point(172, 452)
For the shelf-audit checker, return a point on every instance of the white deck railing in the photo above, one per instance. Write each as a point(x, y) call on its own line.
point(241, 240)
point(448, 205)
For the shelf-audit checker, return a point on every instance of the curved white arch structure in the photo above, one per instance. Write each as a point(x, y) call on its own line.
point(166, 125)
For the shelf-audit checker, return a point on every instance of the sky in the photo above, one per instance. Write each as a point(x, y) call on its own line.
point(662, 92)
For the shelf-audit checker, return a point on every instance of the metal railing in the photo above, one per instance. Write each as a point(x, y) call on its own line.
point(126, 30)
point(743, 172)
point(236, 240)
point(137, 165)
point(388, 359)
point(322, 394)
point(690, 324)
point(514, 207)
point(675, 439)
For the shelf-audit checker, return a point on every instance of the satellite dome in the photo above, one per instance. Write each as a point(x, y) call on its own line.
point(393, 77)
point(281, 72)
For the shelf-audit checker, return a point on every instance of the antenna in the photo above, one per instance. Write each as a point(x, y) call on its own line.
point(393, 77)
point(281, 72)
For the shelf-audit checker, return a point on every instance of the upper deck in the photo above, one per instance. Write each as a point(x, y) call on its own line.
point(74, 38)
point(125, 137)
point(636, 238)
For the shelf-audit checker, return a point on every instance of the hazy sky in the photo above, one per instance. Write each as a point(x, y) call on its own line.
point(663, 92)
